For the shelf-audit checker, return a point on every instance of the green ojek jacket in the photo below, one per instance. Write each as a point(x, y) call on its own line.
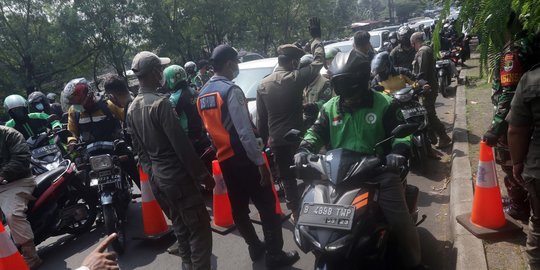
point(360, 130)
point(37, 123)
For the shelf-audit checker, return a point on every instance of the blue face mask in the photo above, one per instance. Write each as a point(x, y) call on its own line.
point(40, 107)
point(78, 108)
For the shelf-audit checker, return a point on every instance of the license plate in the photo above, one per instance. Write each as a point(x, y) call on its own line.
point(412, 112)
point(44, 151)
point(327, 216)
point(111, 179)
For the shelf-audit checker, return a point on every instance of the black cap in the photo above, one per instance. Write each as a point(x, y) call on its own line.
point(223, 53)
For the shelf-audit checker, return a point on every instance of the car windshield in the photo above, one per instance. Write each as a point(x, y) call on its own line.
point(375, 41)
point(249, 79)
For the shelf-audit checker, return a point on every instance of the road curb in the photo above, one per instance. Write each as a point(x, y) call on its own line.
point(469, 250)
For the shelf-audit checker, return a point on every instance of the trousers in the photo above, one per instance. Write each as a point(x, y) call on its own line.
point(435, 127)
point(532, 185)
point(14, 198)
point(284, 158)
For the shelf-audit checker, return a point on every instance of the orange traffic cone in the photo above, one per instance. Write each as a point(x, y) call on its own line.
point(154, 222)
point(221, 204)
point(278, 205)
point(487, 217)
point(10, 258)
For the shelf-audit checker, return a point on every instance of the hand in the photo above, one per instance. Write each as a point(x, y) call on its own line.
point(395, 160)
point(301, 158)
point(517, 170)
point(100, 260)
point(315, 27)
point(426, 88)
point(71, 146)
point(490, 138)
point(266, 177)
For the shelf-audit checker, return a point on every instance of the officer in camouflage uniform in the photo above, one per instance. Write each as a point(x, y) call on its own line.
point(523, 118)
point(515, 60)
point(403, 54)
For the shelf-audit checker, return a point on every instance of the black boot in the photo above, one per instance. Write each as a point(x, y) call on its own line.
point(281, 259)
point(256, 251)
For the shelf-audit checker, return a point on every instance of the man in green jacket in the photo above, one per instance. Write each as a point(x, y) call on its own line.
point(28, 124)
point(357, 119)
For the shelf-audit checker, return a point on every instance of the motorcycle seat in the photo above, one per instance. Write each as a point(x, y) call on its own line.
point(45, 180)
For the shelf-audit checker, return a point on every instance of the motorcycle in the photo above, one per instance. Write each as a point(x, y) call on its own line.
point(340, 220)
point(47, 150)
point(444, 75)
point(111, 185)
point(414, 112)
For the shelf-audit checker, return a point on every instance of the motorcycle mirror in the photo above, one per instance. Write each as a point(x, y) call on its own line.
point(293, 135)
point(405, 130)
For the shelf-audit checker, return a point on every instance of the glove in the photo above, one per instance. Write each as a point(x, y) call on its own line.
point(315, 27)
point(490, 138)
point(395, 160)
point(301, 157)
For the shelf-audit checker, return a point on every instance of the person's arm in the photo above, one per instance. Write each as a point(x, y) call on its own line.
point(180, 142)
point(144, 159)
point(319, 134)
point(72, 126)
point(19, 155)
point(262, 118)
point(308, 73)
point(238, 111)
point(43, 116)
point(423, 61)
point(117, 112)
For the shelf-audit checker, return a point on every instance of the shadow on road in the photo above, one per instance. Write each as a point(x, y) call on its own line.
point(434, 251)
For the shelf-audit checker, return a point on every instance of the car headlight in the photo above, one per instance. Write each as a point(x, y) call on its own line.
point(102, 162)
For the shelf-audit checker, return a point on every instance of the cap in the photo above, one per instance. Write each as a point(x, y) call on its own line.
point(145, 61)
point(290, 51)
point(223, 53)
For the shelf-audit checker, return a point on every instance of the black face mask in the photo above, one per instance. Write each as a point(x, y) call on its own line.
point(20, 114)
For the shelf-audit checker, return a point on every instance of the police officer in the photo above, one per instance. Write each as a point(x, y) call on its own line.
point(318, 92)
point(404, 53)
point(523, 141)
point(223, 109)
point(424, 69)
point(279, 107)
point(516, 58)
point(165, 151)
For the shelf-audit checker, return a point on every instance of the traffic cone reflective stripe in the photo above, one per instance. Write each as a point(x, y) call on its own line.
point(153, 219)
point(10, 258)
point(487, 208)
point(221, 204)
point(279, 211)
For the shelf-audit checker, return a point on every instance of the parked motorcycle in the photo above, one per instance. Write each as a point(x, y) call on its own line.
point(414, 112)
point(340, 220)
point(112, 186)
point(444, 75)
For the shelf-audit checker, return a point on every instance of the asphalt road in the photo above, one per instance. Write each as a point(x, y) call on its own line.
point(230, 251)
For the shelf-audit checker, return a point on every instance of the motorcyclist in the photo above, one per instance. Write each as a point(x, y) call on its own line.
point(391, 78)
point(28, 124)
point(16, 187)
point(404, 53)
point(393, 41)
point(184, 101)
point(191, 70)
point(38, 102)
point(315, 94)
point(357, 119)
point(56, 108)
point(92, 118)
point(203, 75)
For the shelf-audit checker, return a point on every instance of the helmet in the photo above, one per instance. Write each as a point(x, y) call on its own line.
point(190, 67)
point(17, 107)
point(75, 92)
point(173, 75)
point(14, 101)
point(404, 34)
point(51, 97)
point(350, 74)
point(306, 60)
point(38, 102)
point(382, 62)
point(393, 37)
point(331, 53)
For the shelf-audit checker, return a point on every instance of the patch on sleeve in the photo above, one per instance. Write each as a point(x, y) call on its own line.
point(208, 102)
point(511, 70)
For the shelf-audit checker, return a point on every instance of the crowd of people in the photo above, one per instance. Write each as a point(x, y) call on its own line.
point(181, 112)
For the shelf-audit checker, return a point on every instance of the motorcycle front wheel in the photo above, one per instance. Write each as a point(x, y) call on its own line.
point(114, 225)
point(85, 197)
point(442, 86)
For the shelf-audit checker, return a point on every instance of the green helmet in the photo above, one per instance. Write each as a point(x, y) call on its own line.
point(331, 53)
point(14, 101)
point(173, 75)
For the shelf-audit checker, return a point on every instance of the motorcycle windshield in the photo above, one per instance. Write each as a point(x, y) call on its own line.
point(342, 164)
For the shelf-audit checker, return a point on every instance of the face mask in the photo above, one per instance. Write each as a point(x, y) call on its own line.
point(39, 107)
point(18, 114)
point(78, 108)
point(393, 40)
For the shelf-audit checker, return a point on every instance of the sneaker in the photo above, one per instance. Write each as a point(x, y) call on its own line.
point(281, 259)
point(516, 213)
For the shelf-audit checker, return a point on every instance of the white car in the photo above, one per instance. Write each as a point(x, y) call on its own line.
point(249, 78)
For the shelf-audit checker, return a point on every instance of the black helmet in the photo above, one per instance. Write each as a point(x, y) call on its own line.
point(38, 102)
point(349, 74)
point(404, 33)
point(51, 97)
point(393, 37)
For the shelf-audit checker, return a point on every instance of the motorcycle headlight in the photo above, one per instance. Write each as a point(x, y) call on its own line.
point(102, 162)
point(338, 244)
point(404, 97)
